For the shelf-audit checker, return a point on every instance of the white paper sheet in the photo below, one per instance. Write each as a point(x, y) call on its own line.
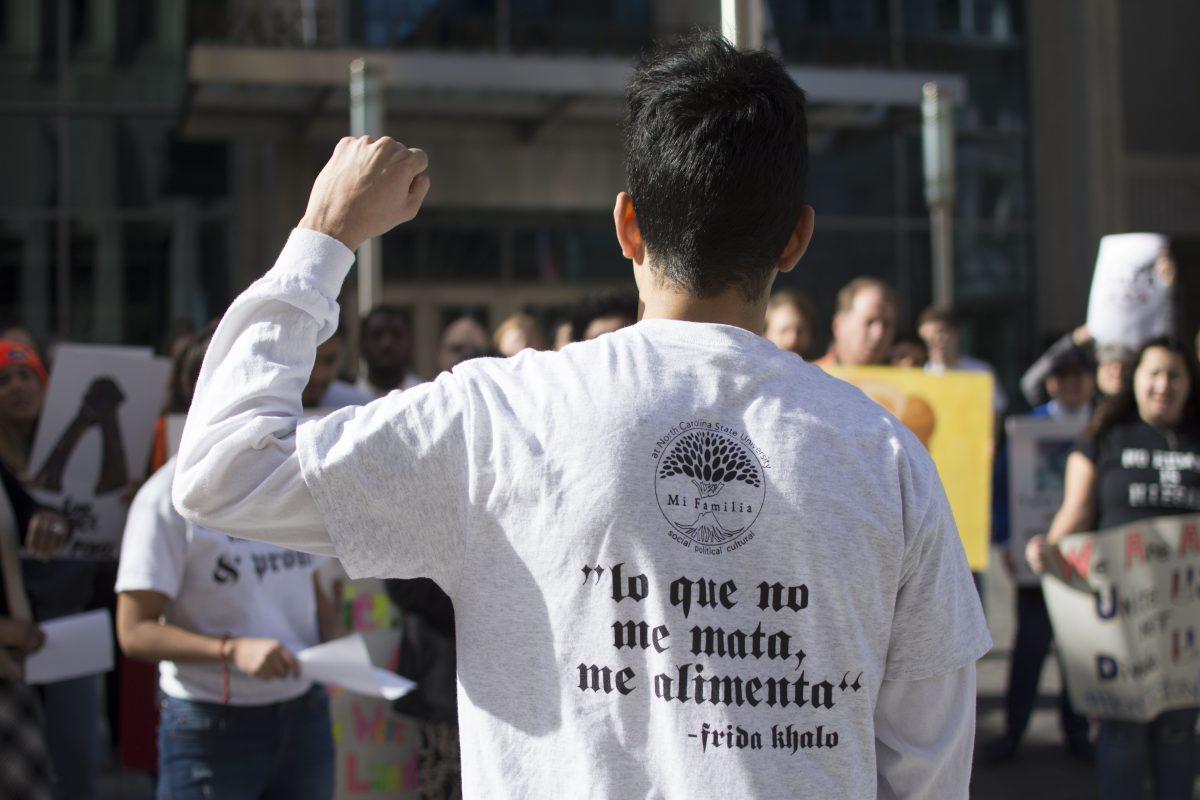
point(78, 645)
point(1129, 303)
point(346, 663)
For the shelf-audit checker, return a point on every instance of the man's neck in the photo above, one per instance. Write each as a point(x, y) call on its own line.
point(729, 308)
point(387, 381)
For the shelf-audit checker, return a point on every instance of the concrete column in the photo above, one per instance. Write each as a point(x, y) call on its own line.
point(108, 296)
point(36, 267)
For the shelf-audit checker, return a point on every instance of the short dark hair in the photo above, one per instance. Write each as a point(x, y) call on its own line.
point(945, 315)
point(716, 160)
point(385, 310)
point(616, 303)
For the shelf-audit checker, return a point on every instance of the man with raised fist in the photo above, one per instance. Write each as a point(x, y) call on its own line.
point(683, 562)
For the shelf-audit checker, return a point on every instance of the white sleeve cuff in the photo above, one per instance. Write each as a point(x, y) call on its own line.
point(317, 259)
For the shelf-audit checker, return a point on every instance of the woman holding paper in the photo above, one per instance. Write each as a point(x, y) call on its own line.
point(1138, 459)
point(224, 618)
point(26, 771)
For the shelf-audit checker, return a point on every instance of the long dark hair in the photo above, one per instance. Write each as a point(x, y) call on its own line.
point(1122, 407)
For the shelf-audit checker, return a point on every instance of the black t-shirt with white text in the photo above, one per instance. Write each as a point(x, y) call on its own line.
point(1144, 472)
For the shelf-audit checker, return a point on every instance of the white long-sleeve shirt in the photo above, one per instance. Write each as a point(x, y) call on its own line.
point(682, 563)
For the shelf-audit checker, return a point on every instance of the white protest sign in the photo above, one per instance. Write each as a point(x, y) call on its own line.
point(77, 645)
point(1129, 303)
point(1125, 605)
point(1037, 460)
point(93, 440)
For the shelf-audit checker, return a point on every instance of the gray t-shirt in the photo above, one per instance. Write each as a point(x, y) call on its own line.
point(682, 561)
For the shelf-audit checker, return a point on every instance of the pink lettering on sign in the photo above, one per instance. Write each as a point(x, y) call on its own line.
point(1135, 549)
point(364, 778)
point(375, 724)
point(1189, 540)
point(1075, 563)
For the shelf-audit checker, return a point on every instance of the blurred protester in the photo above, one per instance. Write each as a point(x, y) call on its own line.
point(179, 335)
point(385, 345)
point(56, 588)
point(1157, 412)
point(461, 337)
point(18, 334)
point(324, 390)
point(562, 334)
point(22, 390)
point(908, 351)
point(25, 770)
point(1112, 365)
point(863, 325)
point(224, 618)
point(603, 313)
point(938, 327)
point(791, 322)
point(518, 332)
point(1071, 385)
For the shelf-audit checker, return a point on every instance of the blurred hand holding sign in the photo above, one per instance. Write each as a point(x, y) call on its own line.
point(93, 440)
point(1130, 301)
point(952, 415)
point(1125, 605)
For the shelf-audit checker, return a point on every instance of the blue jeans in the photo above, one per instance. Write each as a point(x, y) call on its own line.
point(272, 752)
point(1166, 743)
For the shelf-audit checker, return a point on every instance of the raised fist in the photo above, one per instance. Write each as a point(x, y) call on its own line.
point(367, 188)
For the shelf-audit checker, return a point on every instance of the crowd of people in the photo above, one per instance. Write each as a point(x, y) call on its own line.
point(226, 642)
point(223, 617)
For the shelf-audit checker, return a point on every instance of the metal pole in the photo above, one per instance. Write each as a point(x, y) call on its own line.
point(62, 230)
point(937, 135)
point(367, 118)
point(742, 23)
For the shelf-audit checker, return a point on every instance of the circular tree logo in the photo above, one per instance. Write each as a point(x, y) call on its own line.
point(709, 486)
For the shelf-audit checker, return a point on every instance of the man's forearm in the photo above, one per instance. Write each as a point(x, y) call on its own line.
point(925, 735)
point(237, 471)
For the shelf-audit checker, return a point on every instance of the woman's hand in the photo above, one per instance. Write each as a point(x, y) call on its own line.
point(23, 638)
point(265, 659)
point(1033, 553)
point(48, 534)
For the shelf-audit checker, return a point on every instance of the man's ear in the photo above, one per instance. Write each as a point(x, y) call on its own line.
point(798, 242)
point(629, 235)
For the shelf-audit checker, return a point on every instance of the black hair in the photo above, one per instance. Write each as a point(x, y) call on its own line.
point(1122, 407)
point(619, 303)
point(716, 160)
point(187, 364)
point(385, 310)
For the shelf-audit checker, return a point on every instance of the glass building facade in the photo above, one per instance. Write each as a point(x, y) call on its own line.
point(103, 178)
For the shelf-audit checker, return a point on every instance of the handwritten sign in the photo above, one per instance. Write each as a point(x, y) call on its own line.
point(1125, 605)
point(1129, 302)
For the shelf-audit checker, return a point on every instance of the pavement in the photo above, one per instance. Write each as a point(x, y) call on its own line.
point(1042, 769)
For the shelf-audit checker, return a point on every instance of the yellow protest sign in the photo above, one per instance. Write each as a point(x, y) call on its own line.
point(952, 415)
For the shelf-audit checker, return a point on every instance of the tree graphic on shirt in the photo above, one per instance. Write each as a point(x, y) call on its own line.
point(711, 462)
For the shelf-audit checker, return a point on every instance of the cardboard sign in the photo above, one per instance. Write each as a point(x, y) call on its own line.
point(1129, 304)
point(952, 415)
point(1125, 605)
point(93, 440)
point(1037, 461)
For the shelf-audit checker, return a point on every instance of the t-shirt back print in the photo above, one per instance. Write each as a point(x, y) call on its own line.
point(710, 486)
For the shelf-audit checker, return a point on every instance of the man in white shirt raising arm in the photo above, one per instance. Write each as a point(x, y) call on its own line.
point(683, 562)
